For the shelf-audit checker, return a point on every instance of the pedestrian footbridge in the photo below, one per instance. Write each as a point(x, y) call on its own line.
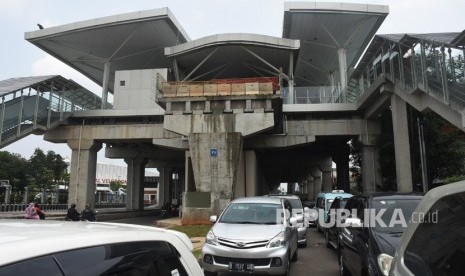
point(33, 105)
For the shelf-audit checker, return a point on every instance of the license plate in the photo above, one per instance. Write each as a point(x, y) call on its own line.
point(241, 267)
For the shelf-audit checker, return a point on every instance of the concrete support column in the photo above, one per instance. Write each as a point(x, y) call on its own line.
point(342, 55)
point(163, 185)
point(401, 144)
point(135, 184)
point(215, 160)
point(82, 172)
point(371, 175)
point(310, 188)
point(342, 169)
point(327, 178)
point(106, 78)
point(316, 174)
point(247, 175)
point(303, 187)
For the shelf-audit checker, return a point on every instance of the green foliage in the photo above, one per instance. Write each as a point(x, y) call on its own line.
point(40, 171)
point(193, 230)
point(455, 178)
point(115, 185)
point(13, 168)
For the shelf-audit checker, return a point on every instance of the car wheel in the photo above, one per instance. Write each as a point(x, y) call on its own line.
point(327, 239)
point(209, 273)
point(288, 266)
point(342, 267)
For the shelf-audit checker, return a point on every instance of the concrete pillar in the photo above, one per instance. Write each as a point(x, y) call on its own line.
point(371, 175)
point(7, 194)
point(163, 185)
point(316, 174)
point(105, 82)
point(342, 55)
point(26, 195)
point(215, 160)
point(82, 172)
point(135, 184)
point(401, 144)
point(247, 175)
point(303, 187)
point(310, 188)
point(327, 178)
point(341, 159)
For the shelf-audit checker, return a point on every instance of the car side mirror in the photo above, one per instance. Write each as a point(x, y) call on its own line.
point(293, 221)
point(213, 219)
point(352, 222)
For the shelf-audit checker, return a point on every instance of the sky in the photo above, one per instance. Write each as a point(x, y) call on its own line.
point(199, 18)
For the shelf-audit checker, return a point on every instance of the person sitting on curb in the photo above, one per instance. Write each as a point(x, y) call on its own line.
point(30, 212)
point(88, 214)
point(73, 214)
point(39, 212)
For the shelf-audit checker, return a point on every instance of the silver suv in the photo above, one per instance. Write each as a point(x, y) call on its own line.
point(298, 210)
point(253, 234)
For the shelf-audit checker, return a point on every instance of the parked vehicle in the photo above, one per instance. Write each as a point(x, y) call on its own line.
point(48, 247)
point(323, 202)
point(253, 234)
point(373, 231)
point(334, 218)
point(310, 212)
point(299, 212)
point(433, 243)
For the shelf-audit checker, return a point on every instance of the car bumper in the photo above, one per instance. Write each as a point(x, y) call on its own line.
point(302, 235)
point(261, 258)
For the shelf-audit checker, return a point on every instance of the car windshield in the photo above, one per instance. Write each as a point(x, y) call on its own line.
point(343, 203)
point(251, 213)
point(295, 203)
point(396, 214)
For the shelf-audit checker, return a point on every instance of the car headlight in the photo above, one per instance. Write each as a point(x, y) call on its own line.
point(211, 238)
point(384, 263)
point(277, 241)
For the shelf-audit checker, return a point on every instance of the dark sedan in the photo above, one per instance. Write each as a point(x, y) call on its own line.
point(373, 231)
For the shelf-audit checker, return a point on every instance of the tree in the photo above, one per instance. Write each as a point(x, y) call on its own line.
point(46, 171)
point(13, 167)
point(115, 186)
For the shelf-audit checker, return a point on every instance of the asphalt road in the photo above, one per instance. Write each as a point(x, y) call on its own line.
point(315, 259)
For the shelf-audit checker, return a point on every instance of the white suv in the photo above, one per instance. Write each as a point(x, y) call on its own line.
point(41, 247)
point(252, 235)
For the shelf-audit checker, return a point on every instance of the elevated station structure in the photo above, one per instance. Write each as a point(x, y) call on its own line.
point(233, 115)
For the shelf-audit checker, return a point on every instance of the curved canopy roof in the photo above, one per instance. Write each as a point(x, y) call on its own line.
point(322, 29)
point(128, 41)
point(237, 55)
point(312, 31)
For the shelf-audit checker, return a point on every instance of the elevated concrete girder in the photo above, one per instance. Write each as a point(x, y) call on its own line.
point(244, 123)
point(108, 133)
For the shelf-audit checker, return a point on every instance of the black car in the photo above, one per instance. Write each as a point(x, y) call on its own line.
point(332, 232)
point(372, 232)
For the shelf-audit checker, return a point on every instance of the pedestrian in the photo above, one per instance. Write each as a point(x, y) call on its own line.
point(39, 212)
point(88, 214)
point(31, 212)
point(73, 214)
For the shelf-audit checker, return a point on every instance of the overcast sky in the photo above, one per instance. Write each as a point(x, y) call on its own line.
point(199, 18)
